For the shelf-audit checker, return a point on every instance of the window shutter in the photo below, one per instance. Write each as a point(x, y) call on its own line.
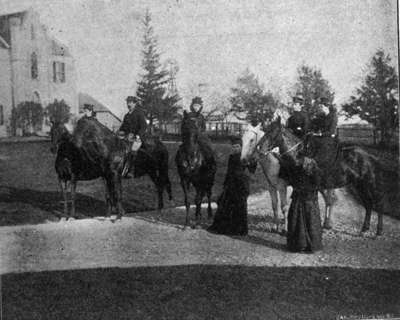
point(54, 71)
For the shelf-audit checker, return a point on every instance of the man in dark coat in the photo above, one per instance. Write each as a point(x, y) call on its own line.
point(134, 126)
point(134, 122)
point(299, 121)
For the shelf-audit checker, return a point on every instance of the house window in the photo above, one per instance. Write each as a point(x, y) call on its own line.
point(1, 115)
point(34, 66)
point(58, 71)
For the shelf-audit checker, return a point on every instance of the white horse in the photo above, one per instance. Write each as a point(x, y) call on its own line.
point(275, 185)
point(269, 163)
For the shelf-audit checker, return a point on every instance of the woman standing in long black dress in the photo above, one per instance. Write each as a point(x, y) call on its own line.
point(304, 221)
point(231, 215)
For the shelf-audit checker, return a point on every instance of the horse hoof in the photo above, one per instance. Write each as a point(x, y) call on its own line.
point(379, 233)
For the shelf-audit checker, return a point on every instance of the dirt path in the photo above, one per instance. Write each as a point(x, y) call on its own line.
point(139, 241)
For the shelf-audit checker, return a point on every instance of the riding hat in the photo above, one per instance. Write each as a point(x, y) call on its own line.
point(323, 100)
point(298, 98)
point(196, 100)
point(132, 99)
point(88, 106)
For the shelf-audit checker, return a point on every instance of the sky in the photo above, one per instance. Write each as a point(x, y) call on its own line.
point(213, 42)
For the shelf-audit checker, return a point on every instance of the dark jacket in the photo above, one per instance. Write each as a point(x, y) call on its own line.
point(134, 122)
point(299, 119)
point(325, 124)
point(199, 118)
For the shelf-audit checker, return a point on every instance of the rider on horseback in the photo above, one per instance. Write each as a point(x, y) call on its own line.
point(325, 122)
point(195, 114)
point(134, 126)
point(299, 121)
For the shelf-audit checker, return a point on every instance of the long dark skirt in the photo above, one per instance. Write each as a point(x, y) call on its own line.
point(231, 215)
point(304, 224)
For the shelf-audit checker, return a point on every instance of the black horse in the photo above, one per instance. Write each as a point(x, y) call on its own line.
point(196, 166)
point(152, 160)
point(362, 172)
point(92, 151)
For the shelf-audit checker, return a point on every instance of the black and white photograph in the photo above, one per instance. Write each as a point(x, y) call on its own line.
point(187, 159)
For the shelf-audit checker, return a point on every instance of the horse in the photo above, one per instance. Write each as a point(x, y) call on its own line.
point(270, 166)
point(153, 161)
point(90, 152)
point(361, 171)
point(196, 166)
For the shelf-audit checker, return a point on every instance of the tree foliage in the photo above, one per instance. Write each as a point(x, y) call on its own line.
point(58, 111)
point(249, 97)
point(28, 116)
point(152, 87)
point(375, 101)
point(312, 86)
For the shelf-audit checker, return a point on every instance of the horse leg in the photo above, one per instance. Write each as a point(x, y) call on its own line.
point(209, 209)
point(198, 198)
point(274, 200)
point(379, 230)
point(73, 197)
point(329, 199)
point(108, 196)
point(367, 218)
point(284, 207)
point(185, 185)
point(65, 195)
point(118, 186)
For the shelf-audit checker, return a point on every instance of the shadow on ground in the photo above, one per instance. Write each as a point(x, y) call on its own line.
point(25, 206)
point(201, 292)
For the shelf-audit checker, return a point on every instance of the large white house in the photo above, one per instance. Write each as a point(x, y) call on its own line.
point(33, 66)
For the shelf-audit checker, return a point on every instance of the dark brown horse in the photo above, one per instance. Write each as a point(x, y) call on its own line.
point(196, 166)
point(92, 151)
point(362, 171)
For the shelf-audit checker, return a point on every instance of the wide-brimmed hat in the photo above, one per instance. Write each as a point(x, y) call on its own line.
point(132, 99)
point(323, 100)
point(197, 100)
point(298, 98)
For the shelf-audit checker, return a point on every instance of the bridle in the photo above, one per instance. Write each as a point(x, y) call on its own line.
point(269, 151)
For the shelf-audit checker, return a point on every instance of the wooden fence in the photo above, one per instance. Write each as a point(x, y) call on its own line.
point(366, 136)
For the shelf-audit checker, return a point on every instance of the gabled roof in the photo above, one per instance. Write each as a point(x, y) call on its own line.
point(84, 98)
point(59, 49)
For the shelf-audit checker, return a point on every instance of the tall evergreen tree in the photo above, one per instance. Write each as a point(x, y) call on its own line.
point(376, 100)
point(152, 88)
point(312, 86)
point(249, 97)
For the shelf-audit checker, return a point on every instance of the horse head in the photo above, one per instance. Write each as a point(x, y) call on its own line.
point(58, 133)
point(273, 136)
point(189, 129)
point(250, 139)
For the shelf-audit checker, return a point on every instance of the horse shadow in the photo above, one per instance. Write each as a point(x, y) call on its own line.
point(27, 206)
